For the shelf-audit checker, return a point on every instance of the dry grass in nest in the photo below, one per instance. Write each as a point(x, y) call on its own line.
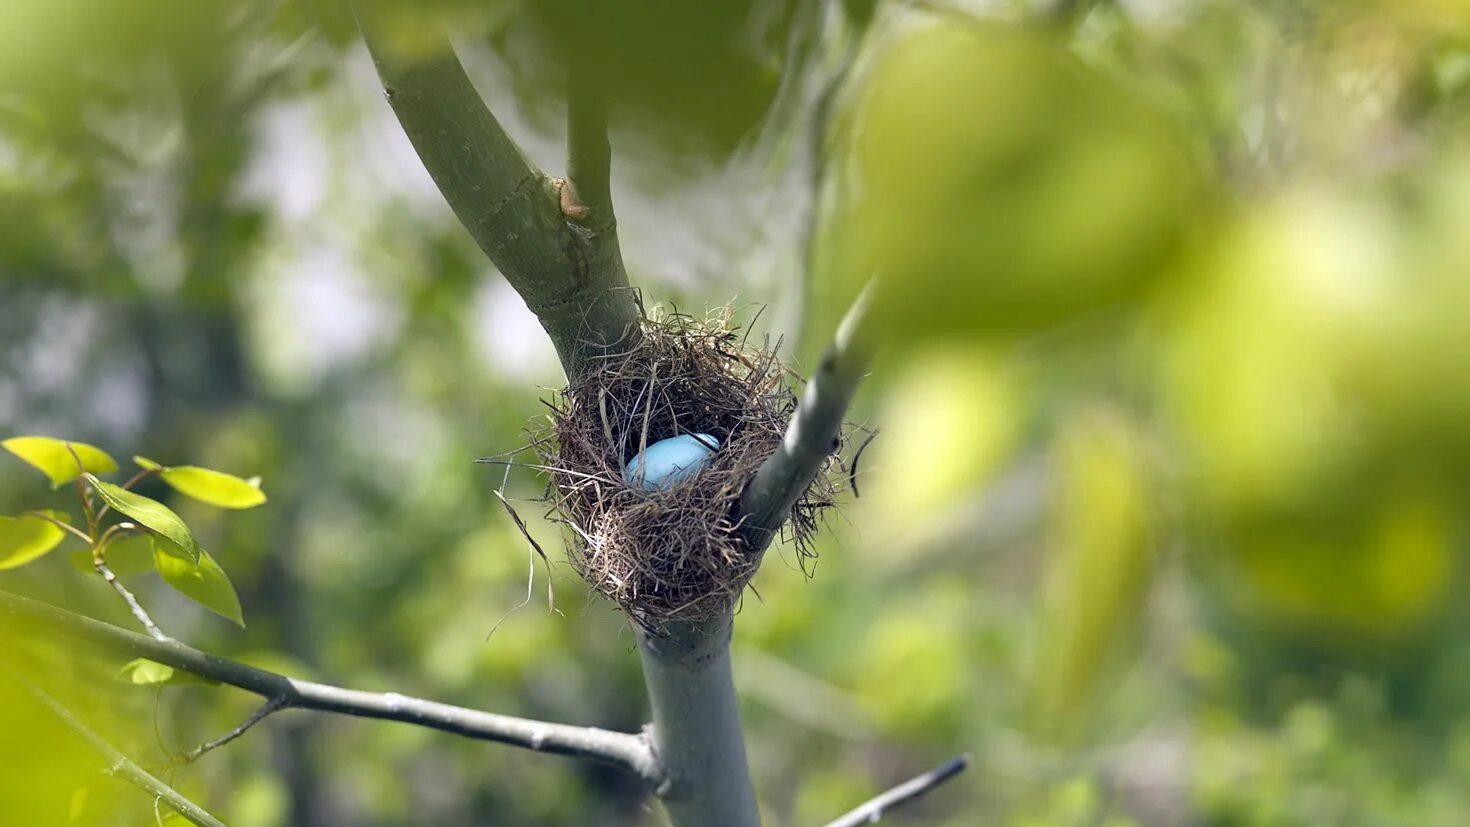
point(675, 553)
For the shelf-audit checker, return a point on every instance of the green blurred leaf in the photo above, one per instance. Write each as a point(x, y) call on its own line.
point(204, 582)
point(54, 457)
point(213, 487)
point(1098, 571)
point(27, 538)
point(128, 556)
point(1000, 187)
point(150, 513)
point(144, 672)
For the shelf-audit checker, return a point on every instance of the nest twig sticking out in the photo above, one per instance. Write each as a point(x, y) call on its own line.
point(674, 553)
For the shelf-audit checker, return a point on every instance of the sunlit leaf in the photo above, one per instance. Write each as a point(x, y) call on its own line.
point(204, 582)
point(27, 538)
point(151, 513)
point(58, 458)
point(213, 487)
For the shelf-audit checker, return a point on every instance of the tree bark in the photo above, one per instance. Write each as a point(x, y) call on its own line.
point(696, 726)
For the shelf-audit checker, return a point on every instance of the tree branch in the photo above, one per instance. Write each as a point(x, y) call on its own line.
point(589, 155)
point(873, 811)
point(812, 434)
point(118, 764)
point(576, 288)
point(270, 707)
point(630, 752)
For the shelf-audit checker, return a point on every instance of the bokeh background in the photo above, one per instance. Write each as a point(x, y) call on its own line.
point(1165, 518)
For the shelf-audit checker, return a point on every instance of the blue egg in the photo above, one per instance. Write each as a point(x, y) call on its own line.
point(670, 461)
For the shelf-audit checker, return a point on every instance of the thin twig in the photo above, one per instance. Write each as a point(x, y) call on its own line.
point(873, 811)
point(120, 765)
point(628, 751)
point(64, 526)
point(271, 706)
point(133, 605)
point(99, 562)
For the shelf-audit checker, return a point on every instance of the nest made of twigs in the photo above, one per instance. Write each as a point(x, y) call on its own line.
point(674, 553)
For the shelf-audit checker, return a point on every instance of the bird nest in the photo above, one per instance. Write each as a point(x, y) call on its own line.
point(674, 553)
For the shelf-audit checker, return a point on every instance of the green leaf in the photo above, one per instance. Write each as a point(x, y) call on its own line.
point(144, 672)
point(214, 488)
point(28, 537)
point(147, 464)
point(150, 513)
point(204, 582)
point(131, 555)
point(55, 457)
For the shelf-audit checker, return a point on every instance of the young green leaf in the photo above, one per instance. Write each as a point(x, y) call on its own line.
point(150, 513)
point(147, 464)
point(28, 537)
point(214, 488)
point(204, 582)
point(56, 460)
point(144, 672)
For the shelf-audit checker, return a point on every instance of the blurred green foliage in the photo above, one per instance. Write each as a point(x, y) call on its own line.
point(1164, 519)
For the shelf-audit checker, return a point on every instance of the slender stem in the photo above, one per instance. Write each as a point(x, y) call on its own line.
point(85, 492)
point(270, 707)
point(99, 562)
point(64, 526)
point(696, 726)
point(139, 477)
point(873, 811)
point(628, 751)
point(576, 288)
point(120, 765)
point(812, 434)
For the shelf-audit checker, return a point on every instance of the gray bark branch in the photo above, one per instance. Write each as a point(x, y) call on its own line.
point(628, 751)
point(812, 434)
point(696, 726)
point(576, 287)
point(873, 811)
